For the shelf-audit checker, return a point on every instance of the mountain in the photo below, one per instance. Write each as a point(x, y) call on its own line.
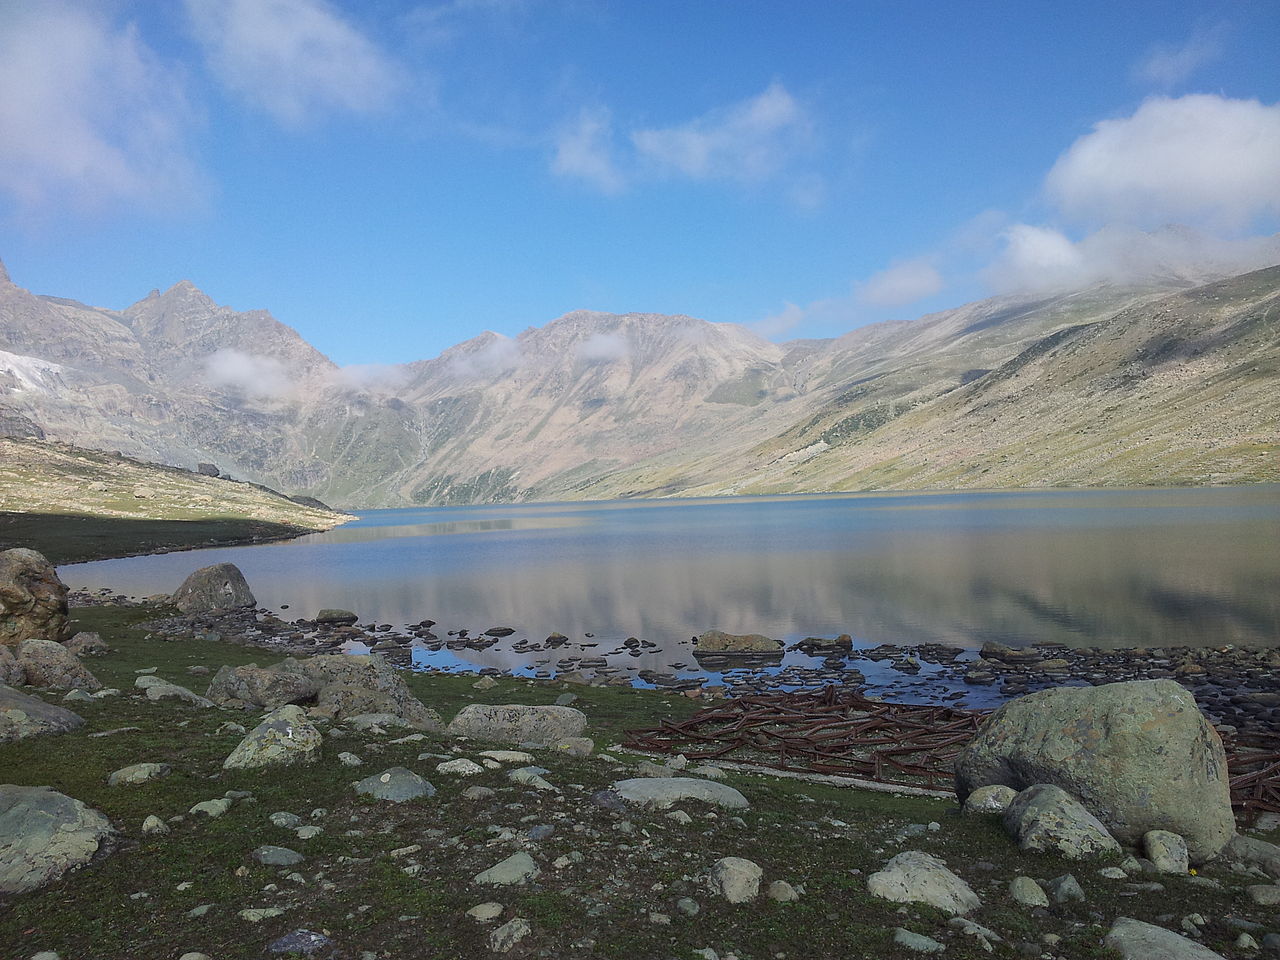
point(1160, 381)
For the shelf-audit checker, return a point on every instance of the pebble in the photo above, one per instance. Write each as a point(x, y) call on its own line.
point(154, 826)
point(484, 912)
point(258, 914)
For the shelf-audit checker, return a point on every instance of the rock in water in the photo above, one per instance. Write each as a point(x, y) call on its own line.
point(219, 587)
point(33, 601)
point(917, 877)
point(283, 737)
point(43, 834)
point(1048, 819)
point(46, 663)
point(23, 716)
point(1139, 755)
point(517, 723)
point(717, 641)
point(1136, 940)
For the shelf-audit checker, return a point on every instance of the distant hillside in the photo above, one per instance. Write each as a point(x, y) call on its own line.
point(1158, 382)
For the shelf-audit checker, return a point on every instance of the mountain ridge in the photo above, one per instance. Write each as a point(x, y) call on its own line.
point(595, 405)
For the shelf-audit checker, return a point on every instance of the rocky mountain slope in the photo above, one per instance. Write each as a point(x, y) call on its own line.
point(1157, 382)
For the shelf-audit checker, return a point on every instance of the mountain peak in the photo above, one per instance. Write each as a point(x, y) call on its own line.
point(4, 274)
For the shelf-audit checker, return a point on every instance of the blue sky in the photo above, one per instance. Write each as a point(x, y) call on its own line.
point(391, 178)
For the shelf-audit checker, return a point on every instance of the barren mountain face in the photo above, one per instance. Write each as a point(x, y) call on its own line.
point(1157, 383)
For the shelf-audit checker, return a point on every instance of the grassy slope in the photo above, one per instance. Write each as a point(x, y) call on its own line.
point(74, 504)
point(373, 905)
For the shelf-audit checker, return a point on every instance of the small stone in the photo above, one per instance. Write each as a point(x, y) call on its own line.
point(659, 919)
point(517, 868)
point(477, 793)
point(1112, 873)
point(680, 817)
point(138, 773)
point(258, 914)
point(194, 956)
point(212, 808)
point(1027, 892)
point(1064, 889)
point(509, 934)
point(1264, 894)
point(349, 759)
point(1168, 851)
point(396, 785)
point(462, 767)
point(689, 907)
point(993, 799)
point(736, 879)
point(915, 941)
point(783, 892)
point(285, 819)
point(1246, 942)
point(485, 912)
point(308, 832)
point(273, 856)
point(154, 826)
point(303, 943)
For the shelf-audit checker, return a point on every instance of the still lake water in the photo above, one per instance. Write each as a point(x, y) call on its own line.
point(1083, 567)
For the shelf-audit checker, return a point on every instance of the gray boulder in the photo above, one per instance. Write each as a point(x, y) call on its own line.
point(284, 737)
point(138, 773)
point(396, 785)
point(917, 877)
point(335, 615)
point(736, 879)
point(351, 685)
point(157, 688)
point(86, 644)
point(517, 868)
point(218, 587)
point(33, 601)
point(43, 834)
point(1139, 755)
point(1136, 940)
point(517, 723)
point(254, 687)
point(994, 799)
point(658, 793)
point(1167, 851)
point(1048, 819)
point(23, 716)
point(50, 665)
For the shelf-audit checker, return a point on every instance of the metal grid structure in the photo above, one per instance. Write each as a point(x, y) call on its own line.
point(838, 731)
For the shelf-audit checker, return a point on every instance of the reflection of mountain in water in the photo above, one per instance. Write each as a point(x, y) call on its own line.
point(1110, 569)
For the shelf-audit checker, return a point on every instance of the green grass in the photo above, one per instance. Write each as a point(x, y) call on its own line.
point(633, 862)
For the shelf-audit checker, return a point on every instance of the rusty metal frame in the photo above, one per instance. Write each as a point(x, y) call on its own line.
point(840, 732)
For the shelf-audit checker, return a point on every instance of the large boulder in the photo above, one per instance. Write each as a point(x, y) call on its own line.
point(23, 716)
point(517, 723)
point(33, 601)
point(218, 587)
point(1138, 940)
point(49, 664)
point(1048, 819)
point(254, 687)
point(43, 834)
point(914, 876)
point(284, 737)
point(350, 685)
point(1139, 755)
point(658, 793)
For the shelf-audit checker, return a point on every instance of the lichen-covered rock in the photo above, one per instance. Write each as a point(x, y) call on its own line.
point(917, 877)
point(33, 601)
point(396, 785)
point(86, 644)
point(517, 723)
point(1137, 940)
point(218, 587)
point(348, 684)
point(23, 716)
point(138, 773)
point(157, 688)
point(717, 641)
point(1167, 851)
point(1139, 755)
point(285, 736)
point(43, 834)
point(658, 793)
point(994, 799)
point(254, 687)
point(50, 665)
point(736, 879)
point(1048, 819)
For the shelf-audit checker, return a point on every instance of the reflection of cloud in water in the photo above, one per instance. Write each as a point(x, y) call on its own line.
point(1107, 568)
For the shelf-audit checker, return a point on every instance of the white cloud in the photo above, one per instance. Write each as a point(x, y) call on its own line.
point(603, 347)
point(749, 141)
point(373, 377)
point(294, 59)
point(1038, 259)
point(584, 149)
point(1201, 159)
point(484, 356)
point(246, 373)
point(1166, 66)
point(89, 115)
point(901, 283)
point(775, 325)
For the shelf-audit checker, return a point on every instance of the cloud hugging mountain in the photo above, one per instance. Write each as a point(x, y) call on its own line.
point(1167, 379)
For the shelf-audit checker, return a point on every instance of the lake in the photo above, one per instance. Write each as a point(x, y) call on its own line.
point(1109, 568)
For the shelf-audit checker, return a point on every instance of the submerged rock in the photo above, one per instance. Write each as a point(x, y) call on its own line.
point(717, 641)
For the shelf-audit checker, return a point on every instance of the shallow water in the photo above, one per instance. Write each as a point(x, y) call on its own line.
point(1082, 567)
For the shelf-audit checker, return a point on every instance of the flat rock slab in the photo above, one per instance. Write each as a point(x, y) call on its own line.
point(658, 793)
point(517, 868)
point(917, 877)
point(138, 773)
point(43, 834)
point(303, 943)
point(23, 716)
point(517, 723)
point(396, 785)
point(1136, 940)
point(272, 856)
point(285, 736)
